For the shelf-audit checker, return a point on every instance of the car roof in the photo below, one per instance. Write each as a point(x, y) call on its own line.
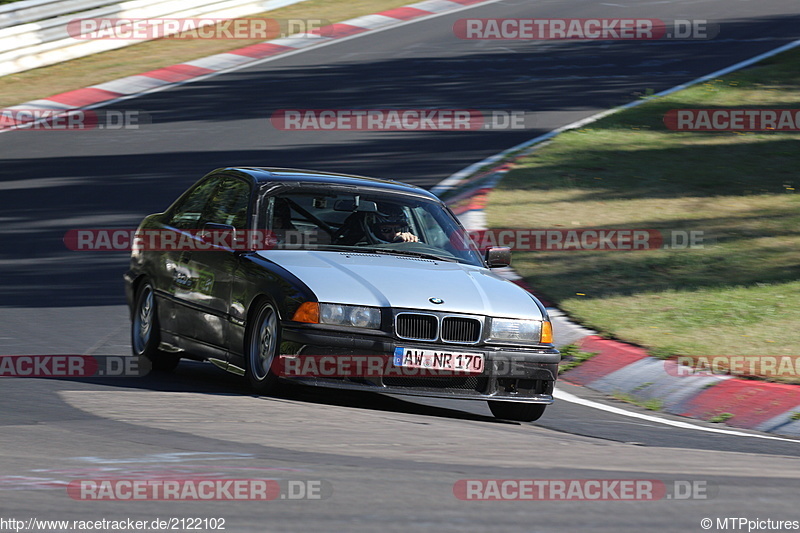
point(265, 175)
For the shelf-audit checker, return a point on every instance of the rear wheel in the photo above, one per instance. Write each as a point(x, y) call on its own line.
point(146, 333)
point(263, 339)
point(521, 412)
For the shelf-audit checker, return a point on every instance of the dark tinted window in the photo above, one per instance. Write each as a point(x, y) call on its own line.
point(314, 219)
point(188, 212)
point(228, 204)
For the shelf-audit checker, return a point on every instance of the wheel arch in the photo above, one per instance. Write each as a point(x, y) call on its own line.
point(135, 285)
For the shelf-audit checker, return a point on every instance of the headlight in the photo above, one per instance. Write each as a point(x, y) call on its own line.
point(350, 315)
point(516, 331)
point(331, 313)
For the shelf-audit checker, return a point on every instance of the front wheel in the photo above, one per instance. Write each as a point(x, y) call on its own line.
point(263, 339)
point(146, 333)
point(521, 412)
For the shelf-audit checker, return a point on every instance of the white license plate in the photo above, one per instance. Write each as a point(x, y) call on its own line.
point(471, 363)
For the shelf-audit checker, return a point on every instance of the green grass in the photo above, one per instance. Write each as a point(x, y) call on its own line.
point(738, 293)
point(720, 418)
point(572, 357)
point(653, 404)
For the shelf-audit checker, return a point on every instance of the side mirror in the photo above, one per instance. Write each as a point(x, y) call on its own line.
point(210, 228)
point(498, 257)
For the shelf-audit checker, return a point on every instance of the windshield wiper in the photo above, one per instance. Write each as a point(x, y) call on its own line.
point(384, 251)
point(411, 253)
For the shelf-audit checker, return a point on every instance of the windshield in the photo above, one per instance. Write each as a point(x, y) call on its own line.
point(365, 221)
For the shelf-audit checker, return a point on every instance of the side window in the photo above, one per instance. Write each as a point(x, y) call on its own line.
point(279, 214)
point(228, 204)
point(187, 214)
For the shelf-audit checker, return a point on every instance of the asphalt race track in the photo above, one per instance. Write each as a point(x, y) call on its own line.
point(386, 463)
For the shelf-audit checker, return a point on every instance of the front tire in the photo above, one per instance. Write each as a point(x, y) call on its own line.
point(263, 340)
point(521, 412)
point(146, 332)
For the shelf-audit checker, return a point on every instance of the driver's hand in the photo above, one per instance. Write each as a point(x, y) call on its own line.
point(406, 237)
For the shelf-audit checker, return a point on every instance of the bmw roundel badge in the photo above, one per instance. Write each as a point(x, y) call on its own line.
point(436, 300)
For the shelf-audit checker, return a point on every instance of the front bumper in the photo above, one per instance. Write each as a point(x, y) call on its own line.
point(512, 374)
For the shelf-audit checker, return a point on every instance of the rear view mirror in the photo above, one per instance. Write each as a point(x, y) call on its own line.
point(367, 206)
point(498, 257)
point(364, 206)
point(344, 205)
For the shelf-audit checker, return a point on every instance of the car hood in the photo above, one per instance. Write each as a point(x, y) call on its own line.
point(382, 280)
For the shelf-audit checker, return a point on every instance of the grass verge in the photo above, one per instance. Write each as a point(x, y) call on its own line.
point(738, 294)
point(572, 357)
point(150, 55)
point(720, 418)
point(653, 404)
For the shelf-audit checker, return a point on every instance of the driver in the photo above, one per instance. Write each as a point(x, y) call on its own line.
point(390, 224)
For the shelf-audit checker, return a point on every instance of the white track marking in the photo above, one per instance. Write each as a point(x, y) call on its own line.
point(450, 182)
point(272, 58)
point(567, 397)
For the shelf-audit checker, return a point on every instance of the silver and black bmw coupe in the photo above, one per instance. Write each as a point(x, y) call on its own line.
point(337, 281)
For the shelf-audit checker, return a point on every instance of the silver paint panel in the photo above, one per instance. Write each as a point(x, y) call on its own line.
point(405, 282)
